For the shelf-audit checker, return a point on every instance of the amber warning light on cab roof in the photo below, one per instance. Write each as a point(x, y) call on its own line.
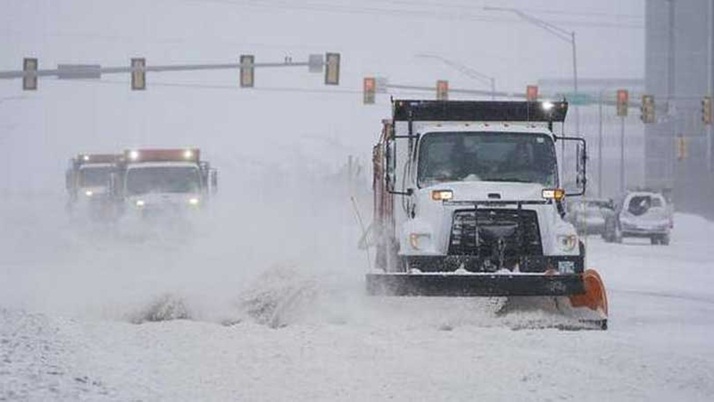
point(97, 158)
point(162, 155)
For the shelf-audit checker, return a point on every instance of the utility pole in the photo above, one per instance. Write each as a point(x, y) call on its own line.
point(710, 90)
point(672, 122)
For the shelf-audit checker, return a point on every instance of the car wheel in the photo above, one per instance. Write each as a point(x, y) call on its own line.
point(664, 240)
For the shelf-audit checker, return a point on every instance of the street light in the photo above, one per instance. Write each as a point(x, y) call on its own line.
point(568, 36)
point(467, 71)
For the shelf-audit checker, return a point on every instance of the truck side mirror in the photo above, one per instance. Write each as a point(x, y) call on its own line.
point(68, 181)
point(582, 160)
point(213, 181)
point(113, 190)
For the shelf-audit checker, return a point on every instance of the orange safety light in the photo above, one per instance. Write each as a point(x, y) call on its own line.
point(553, 194)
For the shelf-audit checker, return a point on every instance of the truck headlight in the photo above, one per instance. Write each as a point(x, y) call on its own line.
point(442, 195)
point(89, 193)
point(567, 242)
point(140, 203)
point(194, 201)
point(419, 241)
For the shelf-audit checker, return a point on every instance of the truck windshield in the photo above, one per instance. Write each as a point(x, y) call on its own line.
point(95, 176)
point(163, 179)
point(487, 156)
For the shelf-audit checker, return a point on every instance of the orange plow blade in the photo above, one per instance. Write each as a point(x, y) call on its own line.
point(595, 297)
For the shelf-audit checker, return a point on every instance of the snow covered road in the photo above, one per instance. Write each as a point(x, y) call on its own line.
point(296, 330)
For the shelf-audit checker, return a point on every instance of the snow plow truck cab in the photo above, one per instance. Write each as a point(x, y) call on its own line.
point(87, 181)
point(468, 202)
point(154, 183)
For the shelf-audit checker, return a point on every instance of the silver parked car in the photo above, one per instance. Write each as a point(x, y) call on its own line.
point(589, 216)
point(641, 214)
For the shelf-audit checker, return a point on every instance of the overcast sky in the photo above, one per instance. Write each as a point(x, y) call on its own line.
point(289, 109)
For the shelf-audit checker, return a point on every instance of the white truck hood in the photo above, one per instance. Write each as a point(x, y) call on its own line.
point(485, 190)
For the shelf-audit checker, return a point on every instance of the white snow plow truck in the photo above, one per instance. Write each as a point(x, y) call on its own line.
point(87, 181)
point(162, 183)
point(468, 202)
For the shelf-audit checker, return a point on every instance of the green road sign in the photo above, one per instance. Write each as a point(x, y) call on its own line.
point(579, 99)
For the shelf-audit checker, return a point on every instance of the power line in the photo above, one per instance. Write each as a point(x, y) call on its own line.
point(470, 6)
point(396, 12)
point(234, 87)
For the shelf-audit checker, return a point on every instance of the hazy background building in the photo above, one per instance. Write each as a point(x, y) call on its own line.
point(678, 70)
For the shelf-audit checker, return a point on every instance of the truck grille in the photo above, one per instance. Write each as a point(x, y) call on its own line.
point(477, 233)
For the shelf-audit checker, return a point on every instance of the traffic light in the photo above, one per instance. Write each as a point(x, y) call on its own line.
point(29, 78)
point(138, 74)
point(369, 89)
point(247, 71)
point(532, 93)
point(442, 90)
point(623, 98)
point(647, 109)
point(332, 72)
point(681, 148)
point(707, 110)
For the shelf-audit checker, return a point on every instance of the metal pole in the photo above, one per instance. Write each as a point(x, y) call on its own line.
point(670, 94)
point(575, 83)
point(622, 156)
point(493, 87)
point(599, 147)
point(710, 90)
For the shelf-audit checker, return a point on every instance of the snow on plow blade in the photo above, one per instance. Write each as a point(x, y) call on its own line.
point(468, 285)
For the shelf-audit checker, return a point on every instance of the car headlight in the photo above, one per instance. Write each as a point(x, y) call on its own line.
point(89, 193)
point(140, 203)
point(567, 242)
point(194, 201)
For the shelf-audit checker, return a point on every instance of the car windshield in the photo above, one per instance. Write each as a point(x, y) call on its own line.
point(487, 156)
point(163, 179)
point(640, 204)
point(94, 176)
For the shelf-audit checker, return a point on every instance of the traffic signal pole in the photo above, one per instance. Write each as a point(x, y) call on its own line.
point(623, 187)
point(30, 73)
point(599, 145)
point(164, 68)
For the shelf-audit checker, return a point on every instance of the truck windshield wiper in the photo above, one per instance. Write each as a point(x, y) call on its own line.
point(510, 180)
